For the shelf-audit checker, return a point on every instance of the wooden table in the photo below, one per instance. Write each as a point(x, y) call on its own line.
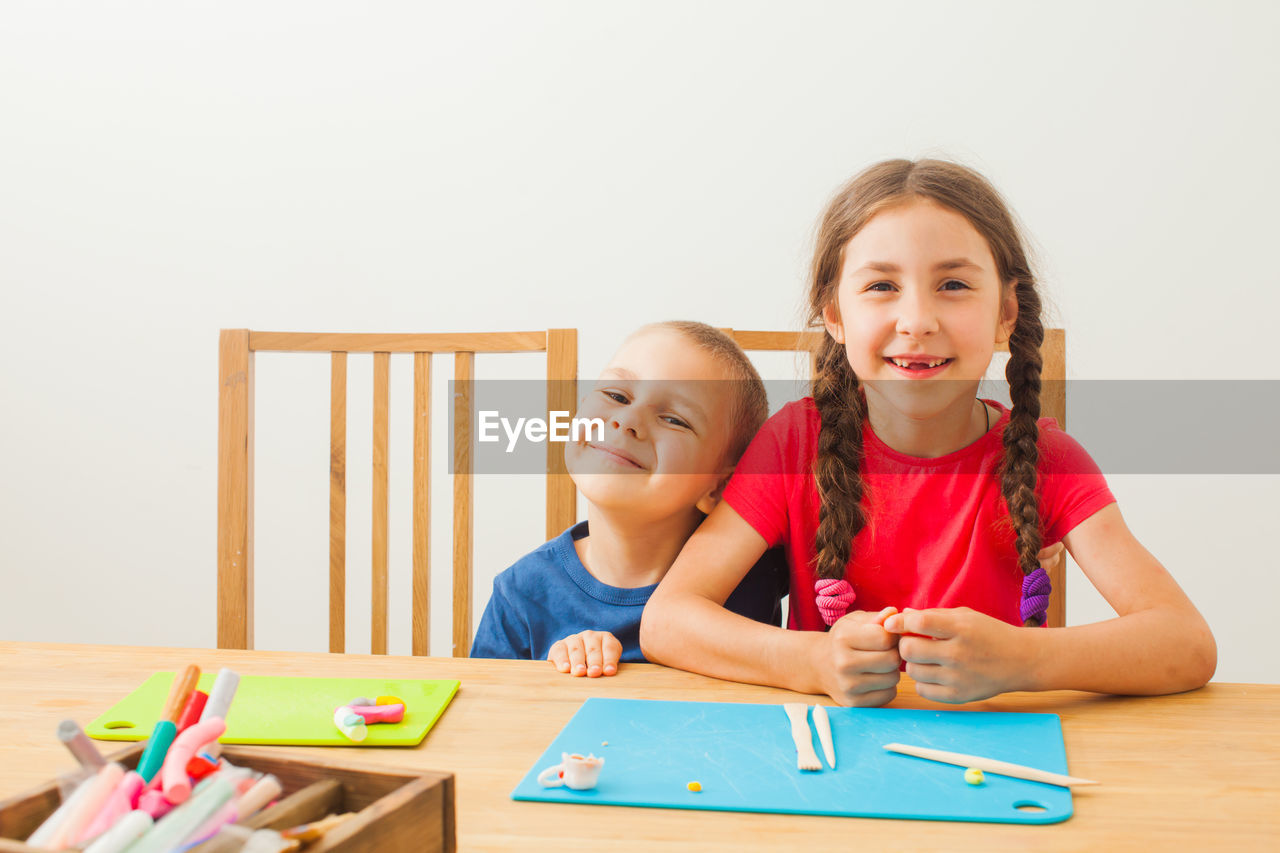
point(1197, 771)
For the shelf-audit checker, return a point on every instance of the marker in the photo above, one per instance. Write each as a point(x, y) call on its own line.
point(263, 791)
point(100, 787)
point(118, 804)
point(192, 710)
point(75, 740)
point(53, 822)
point(224, 690)
point(157, 747)
point(169, 831)
point(219, 704)
point(127, 830)
point(179, 692)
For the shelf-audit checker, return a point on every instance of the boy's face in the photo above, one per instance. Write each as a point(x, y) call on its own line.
point(666, 408)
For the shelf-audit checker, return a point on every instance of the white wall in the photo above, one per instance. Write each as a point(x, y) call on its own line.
point(169, 169)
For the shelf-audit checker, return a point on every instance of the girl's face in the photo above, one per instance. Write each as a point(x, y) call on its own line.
point(919, 308)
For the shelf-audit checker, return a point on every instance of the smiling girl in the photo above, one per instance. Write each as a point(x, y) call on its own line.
point(894, 486)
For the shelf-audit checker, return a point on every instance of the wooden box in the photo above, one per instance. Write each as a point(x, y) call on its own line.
point(396, 810)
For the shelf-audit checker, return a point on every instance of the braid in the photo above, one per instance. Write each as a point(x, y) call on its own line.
point(1018, 467)
point(838, 472)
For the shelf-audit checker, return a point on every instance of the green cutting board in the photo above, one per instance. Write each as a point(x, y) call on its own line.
point(281, 710)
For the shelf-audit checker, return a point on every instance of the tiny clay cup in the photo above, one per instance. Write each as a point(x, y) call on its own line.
point(574, 771)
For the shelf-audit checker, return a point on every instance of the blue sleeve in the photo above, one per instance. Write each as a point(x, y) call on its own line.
point(503, 632)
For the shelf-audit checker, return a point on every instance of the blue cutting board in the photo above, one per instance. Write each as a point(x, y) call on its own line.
point(745, 760)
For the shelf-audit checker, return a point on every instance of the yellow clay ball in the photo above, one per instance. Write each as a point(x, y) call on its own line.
point(973, 776)
point(694, 786)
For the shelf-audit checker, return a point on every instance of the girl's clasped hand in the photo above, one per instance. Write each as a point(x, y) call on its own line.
point(954, 655)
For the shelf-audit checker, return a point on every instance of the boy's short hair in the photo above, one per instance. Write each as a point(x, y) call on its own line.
point(750, 402)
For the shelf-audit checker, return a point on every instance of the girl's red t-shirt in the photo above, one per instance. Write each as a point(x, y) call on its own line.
point(938, 532)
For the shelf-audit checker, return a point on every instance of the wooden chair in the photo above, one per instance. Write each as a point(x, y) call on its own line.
point(1053, 404)
point(235, 467)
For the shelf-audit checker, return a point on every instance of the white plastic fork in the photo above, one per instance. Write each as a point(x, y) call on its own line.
point(806, 758)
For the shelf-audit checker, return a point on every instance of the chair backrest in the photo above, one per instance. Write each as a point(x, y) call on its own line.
point(235, 467)
point(1053, 404)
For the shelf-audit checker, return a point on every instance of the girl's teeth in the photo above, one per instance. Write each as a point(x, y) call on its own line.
point(928, 364)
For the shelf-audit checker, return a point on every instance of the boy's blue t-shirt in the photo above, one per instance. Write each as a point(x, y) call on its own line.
point(548, 594)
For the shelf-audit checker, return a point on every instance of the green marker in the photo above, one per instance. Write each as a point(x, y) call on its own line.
point(157, 748)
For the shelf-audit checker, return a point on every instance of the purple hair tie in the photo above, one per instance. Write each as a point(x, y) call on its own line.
point(1035, 596)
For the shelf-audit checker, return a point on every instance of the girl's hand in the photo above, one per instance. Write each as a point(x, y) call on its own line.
point(959, 655)
point(589, 653)
point(859, 659)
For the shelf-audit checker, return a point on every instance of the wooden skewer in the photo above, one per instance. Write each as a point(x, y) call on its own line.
point(989, 765)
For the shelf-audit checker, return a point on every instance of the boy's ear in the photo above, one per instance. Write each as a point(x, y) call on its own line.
point(1008, 313)
point(831, 319)
point(708, 501)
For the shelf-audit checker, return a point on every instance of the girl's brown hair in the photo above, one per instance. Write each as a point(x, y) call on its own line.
point(836, 389)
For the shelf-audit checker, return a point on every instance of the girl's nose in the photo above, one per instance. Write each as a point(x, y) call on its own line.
point(916, 315)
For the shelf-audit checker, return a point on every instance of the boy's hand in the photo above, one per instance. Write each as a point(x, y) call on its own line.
point(1051, 557)
point(589, 653)
point(861, 659)
point(959, 655)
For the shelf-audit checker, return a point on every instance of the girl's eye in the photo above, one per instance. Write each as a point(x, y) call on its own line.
point(881, 287)
point(616, 396)
point(675, 421)
point(959, 285)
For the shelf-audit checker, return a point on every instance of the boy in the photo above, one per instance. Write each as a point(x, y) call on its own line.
point(680, 402)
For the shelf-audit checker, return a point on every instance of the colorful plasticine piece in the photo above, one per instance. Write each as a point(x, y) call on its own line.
point(379, 713)
point(350, 723)
point(974, 776)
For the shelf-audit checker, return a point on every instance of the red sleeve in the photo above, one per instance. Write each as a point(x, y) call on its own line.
point(758, 488)
point(1071, 485)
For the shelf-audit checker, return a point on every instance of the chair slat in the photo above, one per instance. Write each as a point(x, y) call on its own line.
point(777, 341)
point(338, 502)
point(235, 490)
point(562, 396)
point(1053, 404)
point(421, 502)
point(381, 395)
point(235, 469)
point(373, 342)
point(463, 393)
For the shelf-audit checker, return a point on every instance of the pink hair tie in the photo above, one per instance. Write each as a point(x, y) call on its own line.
point(834, 598)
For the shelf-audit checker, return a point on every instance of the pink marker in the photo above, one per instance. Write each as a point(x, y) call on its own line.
point(154, 804)
point(119, 803)
point(263, 791)
point(173, 775)
point(379, 713)
point(102, 786)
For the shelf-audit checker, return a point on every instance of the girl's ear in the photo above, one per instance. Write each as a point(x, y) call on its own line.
point(1008, 313)
point(831, 319)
